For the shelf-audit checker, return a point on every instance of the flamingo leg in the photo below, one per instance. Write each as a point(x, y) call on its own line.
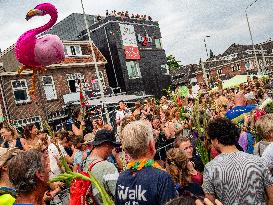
point(21, 69)
point(34, 81)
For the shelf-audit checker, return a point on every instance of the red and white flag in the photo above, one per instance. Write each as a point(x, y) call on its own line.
point(131, 53)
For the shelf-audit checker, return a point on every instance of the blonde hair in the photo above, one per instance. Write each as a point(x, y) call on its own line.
point(265, 126)
point(10, 129)
point(176, 166)
point(136, 136)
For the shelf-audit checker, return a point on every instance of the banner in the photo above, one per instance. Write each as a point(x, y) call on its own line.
point(129, 41)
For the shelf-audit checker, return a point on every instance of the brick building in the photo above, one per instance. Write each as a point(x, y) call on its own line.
point(133, 49)
point(57, 85)
point(238, 60)
point(184, 75)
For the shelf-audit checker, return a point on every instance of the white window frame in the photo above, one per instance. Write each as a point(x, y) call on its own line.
point(233, 67)
point(158, 43)
point(74, 76)
point(29, 121)
point(238, 67)
point(137, 69)
point(68, 51)
point(95, 85)
point(15, 89)
point(165, 66)
point(53, 87)
point(102, 79)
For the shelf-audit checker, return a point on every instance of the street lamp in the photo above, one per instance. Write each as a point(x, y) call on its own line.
point(94, 60)
point(206, 45)
point(250, 33)
point(202, 63)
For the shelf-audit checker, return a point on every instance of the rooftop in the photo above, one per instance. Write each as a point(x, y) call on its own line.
point(10, 63)
point(236, 52)
point(70, 27)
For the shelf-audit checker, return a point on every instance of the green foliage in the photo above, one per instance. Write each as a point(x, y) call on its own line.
point(170, 94)
point(269, 108)
point(68, 176)
point(172, 63)
point(203, 151)
point(200, 145)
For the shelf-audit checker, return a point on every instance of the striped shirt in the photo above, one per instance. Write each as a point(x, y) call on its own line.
point(237, 178)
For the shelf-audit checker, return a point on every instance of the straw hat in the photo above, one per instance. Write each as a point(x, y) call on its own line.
point(6, 154)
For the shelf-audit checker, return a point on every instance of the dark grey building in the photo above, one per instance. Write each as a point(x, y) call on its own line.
point(133, 49)
point(70, 27)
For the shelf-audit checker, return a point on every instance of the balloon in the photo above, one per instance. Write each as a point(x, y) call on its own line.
point(239, 110)
point(6, 199)
point(34, 51)
point(183, 91)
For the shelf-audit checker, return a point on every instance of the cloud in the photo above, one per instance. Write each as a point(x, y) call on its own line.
point(183, 23)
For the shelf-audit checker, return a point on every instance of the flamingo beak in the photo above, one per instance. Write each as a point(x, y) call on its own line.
point(33, 12)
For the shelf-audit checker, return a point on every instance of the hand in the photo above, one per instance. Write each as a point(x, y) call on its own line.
point(190, 166)
point(156, 132)
point(84, 155)
point(47, 196)
point(59, 184)
point(246, 118)
point(115, 153)
point(207, 202)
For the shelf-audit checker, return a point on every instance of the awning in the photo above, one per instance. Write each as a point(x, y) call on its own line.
point(114, 99)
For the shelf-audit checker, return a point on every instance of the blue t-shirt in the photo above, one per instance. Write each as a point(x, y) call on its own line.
point(149, 186)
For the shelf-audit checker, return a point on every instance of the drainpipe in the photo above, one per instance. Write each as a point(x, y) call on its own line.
point(3, 97)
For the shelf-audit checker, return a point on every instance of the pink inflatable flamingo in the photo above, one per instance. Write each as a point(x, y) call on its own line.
point(37, 52)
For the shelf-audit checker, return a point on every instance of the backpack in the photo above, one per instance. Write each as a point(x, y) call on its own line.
point(81, 190)
point(250, 143)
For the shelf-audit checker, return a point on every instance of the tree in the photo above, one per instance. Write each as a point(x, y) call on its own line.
point(172, 63)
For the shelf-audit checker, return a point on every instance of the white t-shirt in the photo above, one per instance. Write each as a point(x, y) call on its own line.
point(120, 114)
point(52, 152)
point(267, 156)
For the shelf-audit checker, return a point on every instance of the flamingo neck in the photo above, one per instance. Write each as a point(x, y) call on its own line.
point(45, 27)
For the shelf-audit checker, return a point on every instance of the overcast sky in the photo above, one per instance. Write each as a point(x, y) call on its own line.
point(183, 23)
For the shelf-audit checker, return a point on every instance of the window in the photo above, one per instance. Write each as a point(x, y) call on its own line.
point(73, 81)
point(95, 85)
point(27, 121)
point(238, 67)
point(165, 69)
point(233, 68)
point(20, 91)
point(73, 50)
point(158, 43)
point(219, 71)
point(49, 88)
point(133, 69)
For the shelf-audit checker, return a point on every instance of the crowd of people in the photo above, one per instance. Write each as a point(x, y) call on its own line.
point(125, 14)
point(212, 148)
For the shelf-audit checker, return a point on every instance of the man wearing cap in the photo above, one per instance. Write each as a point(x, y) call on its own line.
point(105, 172)
point(7, 193)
